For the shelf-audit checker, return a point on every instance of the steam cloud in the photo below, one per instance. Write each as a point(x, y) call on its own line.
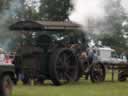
point(92, 14)
point(124, 3)
point(85, 10)
point(8, 12)
point(89, 12)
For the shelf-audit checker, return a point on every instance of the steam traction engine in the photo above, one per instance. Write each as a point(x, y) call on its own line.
point(46, 53)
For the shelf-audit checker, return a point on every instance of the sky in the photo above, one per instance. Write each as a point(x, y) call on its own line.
point(35, 3)
point(125, 5)
point(94, 10)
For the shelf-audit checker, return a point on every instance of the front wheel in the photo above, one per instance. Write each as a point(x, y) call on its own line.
point(97, 73)
point(6, 86)
point(122, 77)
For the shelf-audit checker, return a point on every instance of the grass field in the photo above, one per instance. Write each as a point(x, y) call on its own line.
point(81, 88)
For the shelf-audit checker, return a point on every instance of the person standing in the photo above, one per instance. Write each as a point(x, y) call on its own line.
point(2, 56)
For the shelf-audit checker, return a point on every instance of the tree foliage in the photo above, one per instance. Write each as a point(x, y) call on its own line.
point(54, 9)
point(115, 40)
point(114, 37)
point(4, 4)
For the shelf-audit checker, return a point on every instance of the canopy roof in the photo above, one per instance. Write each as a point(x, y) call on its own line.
point(43, 25)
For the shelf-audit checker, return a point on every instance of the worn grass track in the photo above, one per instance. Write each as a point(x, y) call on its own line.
point(81, 88)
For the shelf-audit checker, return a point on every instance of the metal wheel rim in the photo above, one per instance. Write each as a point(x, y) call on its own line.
point(65, 68)
point(97, 72)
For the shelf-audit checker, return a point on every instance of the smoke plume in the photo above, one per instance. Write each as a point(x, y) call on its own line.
point(96, 16)
point(124, 3)
point(7, 15)
point(85, 11)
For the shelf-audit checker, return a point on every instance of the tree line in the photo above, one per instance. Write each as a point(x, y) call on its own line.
point(58, 10)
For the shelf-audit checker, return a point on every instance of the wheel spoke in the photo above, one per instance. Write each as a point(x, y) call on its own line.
point(60, 67)
point(61, 75)
point(68, 58)
point(60, 64)
point(71, 67)
point(68, 76)
point(68, 63)
point(60, 61)
point(64, 59)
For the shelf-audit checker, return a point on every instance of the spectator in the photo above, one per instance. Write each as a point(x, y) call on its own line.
point(90, 55)
point(94, 58)
point(2, 56)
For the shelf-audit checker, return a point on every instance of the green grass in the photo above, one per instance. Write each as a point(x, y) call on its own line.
point(81, 88)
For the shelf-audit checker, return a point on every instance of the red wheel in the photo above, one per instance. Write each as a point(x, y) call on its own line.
point(6, 86)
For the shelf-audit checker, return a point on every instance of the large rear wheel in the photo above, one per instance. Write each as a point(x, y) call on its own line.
point(63, 67)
